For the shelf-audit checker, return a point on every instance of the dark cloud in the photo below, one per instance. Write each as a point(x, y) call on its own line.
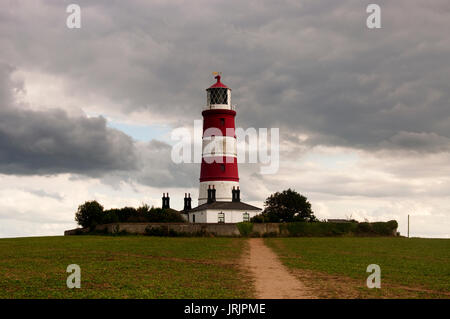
point(419, 142)
point(309, 66)
point(51, 142)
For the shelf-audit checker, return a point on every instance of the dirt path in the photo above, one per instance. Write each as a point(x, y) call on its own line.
point(271, 277)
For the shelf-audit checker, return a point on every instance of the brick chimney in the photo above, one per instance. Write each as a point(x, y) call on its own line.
point(187, 202)
point(165, 201)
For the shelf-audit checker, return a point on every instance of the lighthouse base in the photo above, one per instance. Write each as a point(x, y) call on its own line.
point(223, 190)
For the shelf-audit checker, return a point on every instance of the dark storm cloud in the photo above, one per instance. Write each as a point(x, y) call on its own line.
point(51, 142)
point(304, 66)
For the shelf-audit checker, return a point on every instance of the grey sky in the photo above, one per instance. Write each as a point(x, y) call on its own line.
point(311, 68)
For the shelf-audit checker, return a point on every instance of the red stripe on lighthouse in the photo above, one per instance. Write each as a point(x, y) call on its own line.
point(225, 171)
point(221, 119)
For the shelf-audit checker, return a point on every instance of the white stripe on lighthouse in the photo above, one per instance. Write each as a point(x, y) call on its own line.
point(219, 146)
point(223, 190)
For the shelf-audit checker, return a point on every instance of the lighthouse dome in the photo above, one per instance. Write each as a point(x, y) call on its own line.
point(218, 95)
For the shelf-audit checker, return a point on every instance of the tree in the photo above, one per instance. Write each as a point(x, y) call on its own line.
point(89, 214)
point(287, 206)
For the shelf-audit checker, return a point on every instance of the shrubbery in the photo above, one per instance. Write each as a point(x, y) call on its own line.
point(163, 231)
point(378, 228)
point(245, 228)
point(91, 214)
point(287, 206)
point(318, 229)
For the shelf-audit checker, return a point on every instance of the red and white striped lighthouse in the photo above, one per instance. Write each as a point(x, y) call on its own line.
point(219, 168)
point(219, 198)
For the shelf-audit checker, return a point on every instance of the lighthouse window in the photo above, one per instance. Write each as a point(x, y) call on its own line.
point(222, 122)
point(222, 167)
point(219, 96)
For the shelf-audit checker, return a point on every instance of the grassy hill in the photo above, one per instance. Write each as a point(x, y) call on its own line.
point(166, 267)
point(122, 267)
point(336, 267)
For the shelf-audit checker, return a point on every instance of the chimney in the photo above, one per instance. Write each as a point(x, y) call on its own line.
point(187, 202)
point(165, 201)
point(233, 194)
point(237, 195)
point(211, 194)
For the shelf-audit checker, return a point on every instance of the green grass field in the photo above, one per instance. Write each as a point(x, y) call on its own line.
point(336, 267)
point(164, 267)
point(123, 267)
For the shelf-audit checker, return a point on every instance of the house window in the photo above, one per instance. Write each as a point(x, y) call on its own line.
point(246, 217)
point(193, 218)
point(221, 217)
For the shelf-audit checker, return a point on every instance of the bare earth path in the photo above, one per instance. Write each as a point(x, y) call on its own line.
point(271, 277)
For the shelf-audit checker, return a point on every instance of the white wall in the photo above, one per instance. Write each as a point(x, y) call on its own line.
point(200, 217)
point(231, 216)
point(212, 216)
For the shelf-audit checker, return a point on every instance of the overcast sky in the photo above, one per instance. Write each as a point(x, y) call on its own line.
point(364, 114)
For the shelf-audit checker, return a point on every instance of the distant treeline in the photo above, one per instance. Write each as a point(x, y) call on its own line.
point(92, 213)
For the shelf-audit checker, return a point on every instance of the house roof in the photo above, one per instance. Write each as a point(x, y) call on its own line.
point(219, 205)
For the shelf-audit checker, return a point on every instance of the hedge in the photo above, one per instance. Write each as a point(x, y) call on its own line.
point(245, 228)
point(323, 229)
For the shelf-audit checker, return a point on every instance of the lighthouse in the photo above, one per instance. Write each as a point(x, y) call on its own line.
point(219, 168)
point(219, 192)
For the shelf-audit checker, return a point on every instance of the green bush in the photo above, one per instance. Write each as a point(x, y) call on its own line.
point(258, 219)
point(321, 229)
point(287, 206)
point(89, 214)
point(364, 228)
point(385, 229)
point(245, 228)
